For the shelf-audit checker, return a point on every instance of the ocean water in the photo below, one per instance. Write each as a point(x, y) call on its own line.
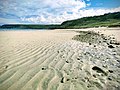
point(23, 29)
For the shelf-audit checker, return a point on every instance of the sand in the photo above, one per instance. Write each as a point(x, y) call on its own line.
point(52, 60)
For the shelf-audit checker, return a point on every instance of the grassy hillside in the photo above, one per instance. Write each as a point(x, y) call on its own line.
point(107, 20)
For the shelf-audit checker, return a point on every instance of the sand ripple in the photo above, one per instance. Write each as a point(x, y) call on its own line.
point(51, 60)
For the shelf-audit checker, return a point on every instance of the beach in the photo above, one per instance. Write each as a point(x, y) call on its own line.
point(57, 60)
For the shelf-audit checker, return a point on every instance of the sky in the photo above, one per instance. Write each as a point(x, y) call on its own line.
point(53, 11)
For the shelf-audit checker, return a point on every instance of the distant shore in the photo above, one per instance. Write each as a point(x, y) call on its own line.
point(107, 20)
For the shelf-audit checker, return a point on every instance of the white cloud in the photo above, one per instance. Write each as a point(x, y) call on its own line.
point(93, 12)
point(64, 3)
point(48, 11)
point(3, 20)
point(52, 19)
point(55, 11)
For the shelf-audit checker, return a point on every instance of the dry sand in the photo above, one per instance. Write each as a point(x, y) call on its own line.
point(51, 60)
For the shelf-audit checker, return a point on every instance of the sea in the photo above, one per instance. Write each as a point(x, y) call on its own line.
point(23, 29)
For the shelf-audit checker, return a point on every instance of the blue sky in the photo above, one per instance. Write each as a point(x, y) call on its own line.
point(104, 3)
point(53, 11)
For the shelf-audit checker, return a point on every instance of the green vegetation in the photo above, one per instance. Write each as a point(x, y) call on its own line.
point(106, 20)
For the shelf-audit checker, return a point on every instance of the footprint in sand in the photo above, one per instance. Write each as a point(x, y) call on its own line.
point(99, 70)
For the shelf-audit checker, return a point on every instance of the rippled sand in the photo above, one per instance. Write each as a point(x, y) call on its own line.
point(51, 60)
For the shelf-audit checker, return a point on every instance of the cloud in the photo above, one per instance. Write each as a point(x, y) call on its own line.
point(47, 11)
point(53, 19)
point(3, 20)
point(94, 12)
